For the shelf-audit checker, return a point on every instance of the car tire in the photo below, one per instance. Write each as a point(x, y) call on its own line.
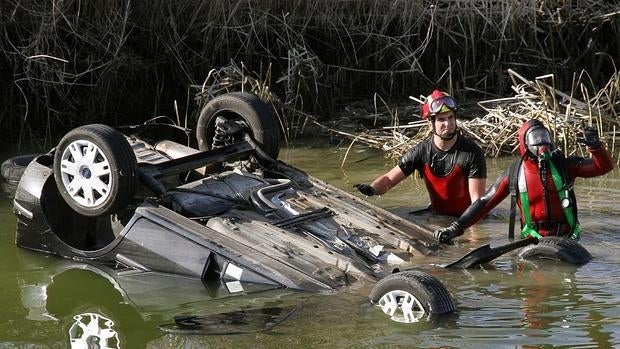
point(95, 170)
point(12, 170)
point(557, 248)
point(240, 106)
point(409, 296)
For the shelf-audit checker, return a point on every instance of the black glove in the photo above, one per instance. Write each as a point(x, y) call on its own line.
point(590, 137)
point(366, 189)
point(448, 233)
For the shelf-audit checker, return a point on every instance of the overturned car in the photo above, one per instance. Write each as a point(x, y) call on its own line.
point(139, 198)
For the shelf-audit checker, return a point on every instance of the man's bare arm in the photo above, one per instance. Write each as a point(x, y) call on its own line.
point(386, 181)
point(477, 187)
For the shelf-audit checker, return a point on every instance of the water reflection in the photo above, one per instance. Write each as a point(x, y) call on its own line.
point(90, 308)
point(92, 330)
point(509, 304)
point(88, 300)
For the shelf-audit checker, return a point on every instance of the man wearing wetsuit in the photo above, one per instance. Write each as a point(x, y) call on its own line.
point(541, 181)
point(453, 167)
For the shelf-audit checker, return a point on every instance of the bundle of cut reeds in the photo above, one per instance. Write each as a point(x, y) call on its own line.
point(565, 114)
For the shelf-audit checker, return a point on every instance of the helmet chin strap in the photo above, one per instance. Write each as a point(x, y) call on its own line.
point(446, 137)
point(443, 137)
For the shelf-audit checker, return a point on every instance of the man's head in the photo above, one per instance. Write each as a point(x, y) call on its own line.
point(440, 110)
point(534, 139)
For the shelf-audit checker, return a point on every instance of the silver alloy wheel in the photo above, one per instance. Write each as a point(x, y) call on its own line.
point(86, 173)
point(401, 306)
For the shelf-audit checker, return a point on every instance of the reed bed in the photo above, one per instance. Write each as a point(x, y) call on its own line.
point(564, 113)
point(66, 63)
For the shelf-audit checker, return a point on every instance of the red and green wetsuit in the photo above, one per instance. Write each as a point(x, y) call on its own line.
point(547, 205)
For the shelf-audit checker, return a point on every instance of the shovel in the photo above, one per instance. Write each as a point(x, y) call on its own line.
point(485, 254)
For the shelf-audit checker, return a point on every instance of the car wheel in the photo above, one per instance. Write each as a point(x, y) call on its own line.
point(557, 248)
point(12, 170)
point(409, 296)
point(95, 170)
point(247, 110)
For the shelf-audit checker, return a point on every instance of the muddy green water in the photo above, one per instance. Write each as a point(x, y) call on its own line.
point(509, 304)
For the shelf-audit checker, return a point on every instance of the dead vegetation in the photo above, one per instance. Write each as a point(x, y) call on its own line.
point(564, 113)
point(65, 64)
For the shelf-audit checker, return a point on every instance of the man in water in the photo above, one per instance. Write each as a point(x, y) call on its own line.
point(453, 167)
point(541, 182)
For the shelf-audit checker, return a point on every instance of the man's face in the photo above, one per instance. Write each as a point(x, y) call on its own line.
point(444, 125)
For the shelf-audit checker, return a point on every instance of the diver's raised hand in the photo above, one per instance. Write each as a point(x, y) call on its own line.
point(590, 137)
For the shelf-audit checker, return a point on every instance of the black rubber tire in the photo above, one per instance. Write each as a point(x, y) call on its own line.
point(429, 291)
point(12, 170)
point(557, 248)
point(121, 181)
point(257, 115)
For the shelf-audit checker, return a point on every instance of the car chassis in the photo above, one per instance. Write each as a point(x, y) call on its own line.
point(139, 198)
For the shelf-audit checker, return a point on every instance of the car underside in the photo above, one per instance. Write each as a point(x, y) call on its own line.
point(152, 200)
point(140, 198)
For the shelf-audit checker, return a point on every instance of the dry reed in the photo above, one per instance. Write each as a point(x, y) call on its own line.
point(565, 114)
point(67, 63)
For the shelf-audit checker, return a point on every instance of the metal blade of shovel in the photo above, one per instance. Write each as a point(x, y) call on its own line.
point(485, 254)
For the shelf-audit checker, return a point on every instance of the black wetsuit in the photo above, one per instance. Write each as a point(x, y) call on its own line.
point(446, 173)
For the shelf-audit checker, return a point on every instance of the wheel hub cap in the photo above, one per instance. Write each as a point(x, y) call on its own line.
point(401, 306)
point(86, 173)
